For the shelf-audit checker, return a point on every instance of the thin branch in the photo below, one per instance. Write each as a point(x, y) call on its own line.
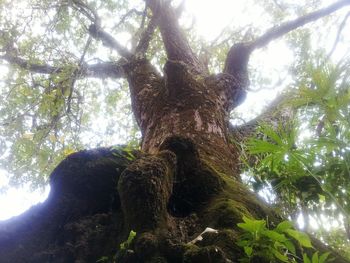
point(108, 40)
point(146, 36)
point(98, 70)
point(88, 11)
point(97, 32)
point(75, 73)
point(341, 27)
point(129, 13)
point(289, 26)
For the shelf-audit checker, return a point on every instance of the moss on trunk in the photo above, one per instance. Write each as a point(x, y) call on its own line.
point(168, 198)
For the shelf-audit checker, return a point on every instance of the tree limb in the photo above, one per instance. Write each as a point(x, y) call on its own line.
point(129, 13)
point(109, 41)
point(98, 70)
point(272, 115)
point(237, 59)
point(341, 27)
point(37, 68)
point(289, 26)
point(146, 36)
point(97, 32)
point(87, 11)
point(175, 42)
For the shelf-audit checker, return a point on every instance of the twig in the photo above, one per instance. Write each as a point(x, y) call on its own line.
point(340, 29)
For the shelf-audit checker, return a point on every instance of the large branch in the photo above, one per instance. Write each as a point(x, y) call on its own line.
point(289, 26)
point(24, 64)
point(238, 56)
point(98, 70)
point(175, 42)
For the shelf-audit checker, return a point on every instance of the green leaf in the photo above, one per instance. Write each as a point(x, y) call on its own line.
point(306, 259)
point(324, 257)
point(301, 237)
point(290, 246)
point(281, 227)
point(279, 256)
point(252, 226)
point(248, 251)
point(315, 257)
point(127, 243)
point(273, 235)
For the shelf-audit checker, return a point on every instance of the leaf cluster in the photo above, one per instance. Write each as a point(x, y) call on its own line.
point(275, 245)
point(304, 161)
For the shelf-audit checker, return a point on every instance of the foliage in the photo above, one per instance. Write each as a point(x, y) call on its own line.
point(126, 244)
point(305, 160)
point(45, 118)
point(123, 247)
point(276, 245)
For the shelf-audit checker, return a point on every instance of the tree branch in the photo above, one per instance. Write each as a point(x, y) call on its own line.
point(237, 59)
point(341, 27)
point(175, 42)
point(272, 115)
point(103, 70)
point(289, 26)
point(146, 36)
point(36, 68)
point(129, 13)
point(98, 33)
point(98, 70)
point(87, 11)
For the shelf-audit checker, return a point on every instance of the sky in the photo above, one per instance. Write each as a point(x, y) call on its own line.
point(210, 19)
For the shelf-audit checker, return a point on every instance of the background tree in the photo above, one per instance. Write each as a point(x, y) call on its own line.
point(186, 175)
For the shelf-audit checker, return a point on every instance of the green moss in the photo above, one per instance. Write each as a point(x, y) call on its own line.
point(144, 189)
point(225, 213)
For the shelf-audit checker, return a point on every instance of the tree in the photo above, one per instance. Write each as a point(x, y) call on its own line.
point(186, 177)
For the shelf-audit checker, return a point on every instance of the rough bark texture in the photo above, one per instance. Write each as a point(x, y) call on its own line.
point(184, 179)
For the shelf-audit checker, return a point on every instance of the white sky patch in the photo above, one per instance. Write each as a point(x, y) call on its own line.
point(212, 17)
point(18, 200)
